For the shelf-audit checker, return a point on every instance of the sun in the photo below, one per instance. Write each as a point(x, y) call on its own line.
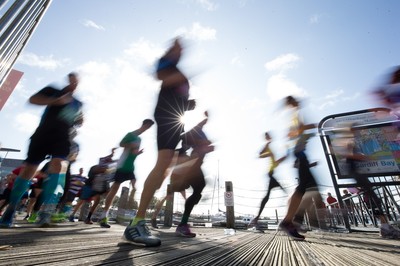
point(183, 119)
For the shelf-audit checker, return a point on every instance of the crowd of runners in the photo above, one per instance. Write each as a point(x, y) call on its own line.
point(54, 189)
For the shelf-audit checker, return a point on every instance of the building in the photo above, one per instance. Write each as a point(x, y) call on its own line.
point(7, 165)
point(18, 21)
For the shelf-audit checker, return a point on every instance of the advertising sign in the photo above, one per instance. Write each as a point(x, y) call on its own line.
point(380, 144)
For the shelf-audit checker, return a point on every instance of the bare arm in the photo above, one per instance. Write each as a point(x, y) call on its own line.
point(40, 99)
point(265, 152)
point(281, 159)
point(294, 133)
point(133, 147)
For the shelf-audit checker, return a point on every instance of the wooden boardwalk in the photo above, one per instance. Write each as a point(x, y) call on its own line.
point(81, 244)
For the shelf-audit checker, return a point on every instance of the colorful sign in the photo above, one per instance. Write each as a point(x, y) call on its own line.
point(379, 144)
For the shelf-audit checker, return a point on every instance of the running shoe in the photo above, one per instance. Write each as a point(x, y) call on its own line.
point(139, 234)
point(300, 227)
point(184, 230)
point(388, 231)
point(154, 223)
point(104, 223)
point(32, 218)
point(6, 220)
point(44, 219)
point(71, 218)
point(5, 224)
point(58, 217)
point(291, 231)
point(26, 217)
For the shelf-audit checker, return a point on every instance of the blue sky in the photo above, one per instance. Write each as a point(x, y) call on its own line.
point(242, 56)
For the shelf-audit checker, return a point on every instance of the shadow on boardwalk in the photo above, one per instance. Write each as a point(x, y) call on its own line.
point(81, 244)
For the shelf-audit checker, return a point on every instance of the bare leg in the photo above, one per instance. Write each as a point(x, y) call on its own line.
point(159, 206)
point(294, 204)
point(110, 197)
point(29, 208)
point(77, 207)
point(96, 202)
point(154, 180)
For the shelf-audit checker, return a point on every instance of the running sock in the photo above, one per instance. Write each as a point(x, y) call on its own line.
point(104, 214)
point(136, 220)
point(89, 217)
point(67, 209)
point(53, 189)
point(185, 219)
point(21, 185)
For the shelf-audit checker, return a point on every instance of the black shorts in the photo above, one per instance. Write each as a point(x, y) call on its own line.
point(87, 193)
point(306, 179)
point(70, 196)
point(273, 183)
point(169, 132)
point(43, 144)
point(120, 177)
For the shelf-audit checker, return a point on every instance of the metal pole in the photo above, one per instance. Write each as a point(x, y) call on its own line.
point(230, 212)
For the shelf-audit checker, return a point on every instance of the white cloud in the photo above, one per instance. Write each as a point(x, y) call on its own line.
point(45, 62)
point(198, 32)
point(117, 96)
point(208, 5)
point(279, 86)
point(143, 50)
point(26, 122)
point(91, 24)
point(282, 62)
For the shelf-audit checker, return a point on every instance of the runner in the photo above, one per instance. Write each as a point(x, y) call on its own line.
point(171, 105)
point(197, 140)
point(96, 185)
point(299, 139)
point(125, 166)
point(266, 152)
point(51, 137)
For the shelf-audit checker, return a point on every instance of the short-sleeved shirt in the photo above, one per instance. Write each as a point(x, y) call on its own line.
point(74, 186)
point(127, 159)
point(17, 171)
point(272, 161)
point(331, 200)
point(59, 118)
point(52, 136)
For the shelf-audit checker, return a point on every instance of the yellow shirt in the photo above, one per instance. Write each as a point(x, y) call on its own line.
point(266, 152)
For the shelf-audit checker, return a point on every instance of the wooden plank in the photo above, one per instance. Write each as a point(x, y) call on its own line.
point(81, 244)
